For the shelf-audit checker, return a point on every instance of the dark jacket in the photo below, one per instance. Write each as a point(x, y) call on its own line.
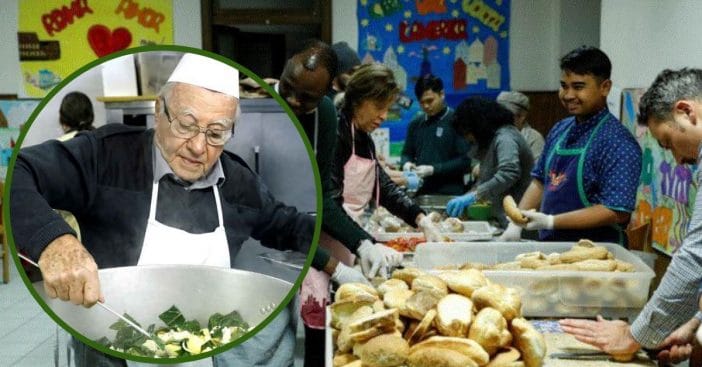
point(104, 177)
point(433, 141)
point(392, 197)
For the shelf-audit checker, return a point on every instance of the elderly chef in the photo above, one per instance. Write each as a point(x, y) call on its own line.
point(168, 195)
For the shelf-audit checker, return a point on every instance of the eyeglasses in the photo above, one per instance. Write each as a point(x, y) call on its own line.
point(213, 136)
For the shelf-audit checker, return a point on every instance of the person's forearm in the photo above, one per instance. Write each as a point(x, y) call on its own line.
point(458, 165)
point(532, 196)
point(590, 217)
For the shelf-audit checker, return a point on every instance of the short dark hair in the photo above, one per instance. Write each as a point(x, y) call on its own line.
point(315, 52)
point(428, 82)
point(587, 60)
point(669, 87)
point(481, 118)
point(374, 82)
point(76, 112)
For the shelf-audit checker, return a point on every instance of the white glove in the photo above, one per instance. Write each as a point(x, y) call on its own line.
point(408, 166)
point(538, 220)
point(346, 274)
point(513, 232)
point(377, 258)
point(424, 170)
point(431, 230)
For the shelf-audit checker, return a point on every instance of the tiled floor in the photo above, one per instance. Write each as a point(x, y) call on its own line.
point(27, 334)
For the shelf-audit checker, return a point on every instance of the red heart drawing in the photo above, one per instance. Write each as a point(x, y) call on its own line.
point(104, 42)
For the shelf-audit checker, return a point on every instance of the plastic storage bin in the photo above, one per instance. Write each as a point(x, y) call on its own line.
point(551, 293)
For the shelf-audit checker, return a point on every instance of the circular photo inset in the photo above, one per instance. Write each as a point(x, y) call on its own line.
point(158, 213)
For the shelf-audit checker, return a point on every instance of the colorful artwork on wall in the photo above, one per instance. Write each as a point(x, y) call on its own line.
point(56, 37)
point(464, 42)
point(667, 190)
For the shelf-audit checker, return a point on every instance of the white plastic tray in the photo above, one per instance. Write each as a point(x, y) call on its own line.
point(551, 293)
point(473, 231)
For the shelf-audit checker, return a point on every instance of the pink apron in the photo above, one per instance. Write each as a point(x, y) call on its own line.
point(360, 177)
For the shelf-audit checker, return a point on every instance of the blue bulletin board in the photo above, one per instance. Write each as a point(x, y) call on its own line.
point(464, 42)
point(667, 190)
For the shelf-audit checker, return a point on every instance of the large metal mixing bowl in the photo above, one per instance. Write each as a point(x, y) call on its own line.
point(198, 291)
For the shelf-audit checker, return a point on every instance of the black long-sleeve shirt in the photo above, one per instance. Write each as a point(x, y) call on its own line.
point(391, 196)
point(104, 177)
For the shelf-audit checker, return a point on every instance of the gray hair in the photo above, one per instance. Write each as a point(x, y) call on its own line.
point(669, 87)
point(167, 90)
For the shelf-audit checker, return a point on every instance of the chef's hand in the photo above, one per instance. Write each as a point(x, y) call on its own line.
point(678, 346)
point(512, 233)
point(377, 258)
point(537, 220)
point(430, 229)
point(424, 170)
point(346, 274)
point(408, 166)
point(456, 205)
point(613, 337)
point(70, 272)
point(412, 180)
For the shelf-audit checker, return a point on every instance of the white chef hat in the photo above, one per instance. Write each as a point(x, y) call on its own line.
point(205, 72)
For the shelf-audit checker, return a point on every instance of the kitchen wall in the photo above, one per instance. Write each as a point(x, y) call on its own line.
point(187, 24)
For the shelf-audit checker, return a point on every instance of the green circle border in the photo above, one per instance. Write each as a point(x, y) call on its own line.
point(8, 224)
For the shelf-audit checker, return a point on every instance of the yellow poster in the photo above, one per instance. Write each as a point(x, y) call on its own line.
point(56, 37)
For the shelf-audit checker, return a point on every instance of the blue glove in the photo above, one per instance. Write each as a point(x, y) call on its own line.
point(412, 180)
point(456, 205)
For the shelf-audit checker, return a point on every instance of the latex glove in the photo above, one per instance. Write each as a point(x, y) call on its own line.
point(431, 230)
point(346, 274)
point(456, 205)
point(408, 166)
point(512, 233)
point(424, 170)
point(538, 220)
point(377, 258)
point(412, 180)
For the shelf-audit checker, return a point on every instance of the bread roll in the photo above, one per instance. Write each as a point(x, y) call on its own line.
point(439, 357)
point(418, 304)
point(353, 290)
point(512, 265)
point(383, 319)
point(467, 347)
point(578, 253)
point(463, 282)
point(397, 298)
point(512, 211)
point(454, 314)
point(356, 363)
point(344, 341)
point(624, 266)
point(343, 359)
point(533, 263)
point(384, 351)
point(505, 300)
point(435, 217)
point(597, 265)
point(535, 254)
point(391, 284)
point(407, 274)
point(506, 358)
point(489, 329)
point(430, 283)
point(453, 225)
point(420, 331)
point(529, 342)
point(341, 311)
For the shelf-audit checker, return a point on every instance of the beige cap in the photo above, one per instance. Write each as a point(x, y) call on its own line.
point(513, 101)
point(207, 73)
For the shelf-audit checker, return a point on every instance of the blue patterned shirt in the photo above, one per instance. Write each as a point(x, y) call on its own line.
point(612, 162)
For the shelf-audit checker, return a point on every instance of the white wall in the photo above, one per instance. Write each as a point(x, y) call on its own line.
point(186, 32)
point(643, 37)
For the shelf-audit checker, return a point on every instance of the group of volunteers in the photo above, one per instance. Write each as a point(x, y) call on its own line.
point(139, 194)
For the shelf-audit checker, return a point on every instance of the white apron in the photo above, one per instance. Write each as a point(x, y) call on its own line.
point(168, 245)
point(360, 176)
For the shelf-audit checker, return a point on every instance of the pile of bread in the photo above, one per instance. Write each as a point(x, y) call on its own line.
point(416, 319)
point(583, 256)
point(382, 221)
